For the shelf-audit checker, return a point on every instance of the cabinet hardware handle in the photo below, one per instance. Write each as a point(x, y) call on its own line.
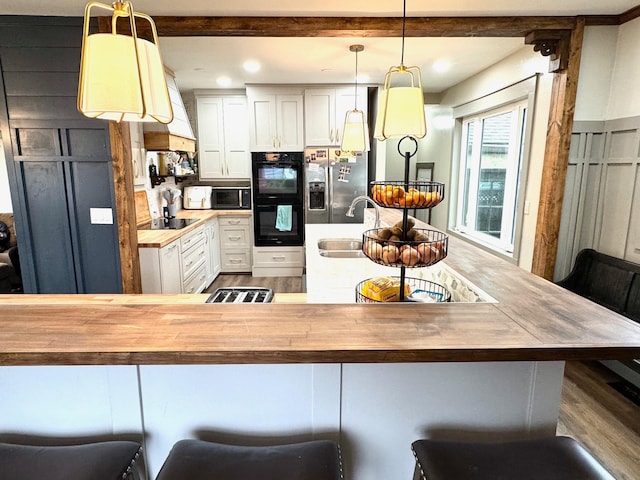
point(235, 260)
point(279, 258)
point(235, 239)
point(234, 222)
point(172, 247)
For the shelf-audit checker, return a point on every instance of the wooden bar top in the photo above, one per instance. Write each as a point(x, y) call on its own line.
point(533, 319)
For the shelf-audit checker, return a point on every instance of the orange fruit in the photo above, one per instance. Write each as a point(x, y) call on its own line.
point(428, 199)
point(422, 199)
point(398, 192)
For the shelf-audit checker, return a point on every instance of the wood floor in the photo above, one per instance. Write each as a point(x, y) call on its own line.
point(603, 420)
point(277, 284)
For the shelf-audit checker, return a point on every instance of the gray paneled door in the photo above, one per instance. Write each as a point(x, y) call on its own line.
point(59, 162)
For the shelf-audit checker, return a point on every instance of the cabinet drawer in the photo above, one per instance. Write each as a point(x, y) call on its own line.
point(235, 237)
point(234, 221)
point(236, 261)
point(192, 258)
point(278, 257)
point(196, 283)
point(189, 240)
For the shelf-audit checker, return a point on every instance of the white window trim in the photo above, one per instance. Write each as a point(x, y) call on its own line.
point(524, 90)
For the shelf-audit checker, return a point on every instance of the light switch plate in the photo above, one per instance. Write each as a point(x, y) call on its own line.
point(101, 216)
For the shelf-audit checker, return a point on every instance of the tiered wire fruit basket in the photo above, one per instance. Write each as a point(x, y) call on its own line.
point(403, 245)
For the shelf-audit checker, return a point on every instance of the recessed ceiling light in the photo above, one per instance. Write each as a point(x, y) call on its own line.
point(441, 66)
point(251, 66)
point(223, 81)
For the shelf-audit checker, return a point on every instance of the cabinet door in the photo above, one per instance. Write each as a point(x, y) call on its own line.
point(319, 117)
point(345, 102)
point(170, 275)
point(215, 249)
point(236, 138)
point(211, 137)
point(262, 122)
point(290, 123)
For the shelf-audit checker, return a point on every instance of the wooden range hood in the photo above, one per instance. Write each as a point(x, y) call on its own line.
point(175, 136)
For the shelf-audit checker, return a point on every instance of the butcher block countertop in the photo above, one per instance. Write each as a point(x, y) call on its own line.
point(533, 319)
point(160, 238)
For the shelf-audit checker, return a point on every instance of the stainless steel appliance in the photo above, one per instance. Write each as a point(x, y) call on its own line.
point(231, 198)
point(241, 295)
point(332, 179)
point(278, 205)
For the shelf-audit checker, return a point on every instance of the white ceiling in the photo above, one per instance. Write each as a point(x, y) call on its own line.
point(199, 61)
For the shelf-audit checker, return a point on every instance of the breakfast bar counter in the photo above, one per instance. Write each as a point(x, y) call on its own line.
point(530, 319)
point(373, 376)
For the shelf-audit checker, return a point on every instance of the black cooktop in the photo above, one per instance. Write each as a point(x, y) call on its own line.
point(167, 223)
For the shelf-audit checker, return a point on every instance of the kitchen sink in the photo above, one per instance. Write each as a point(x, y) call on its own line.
point(340, 247)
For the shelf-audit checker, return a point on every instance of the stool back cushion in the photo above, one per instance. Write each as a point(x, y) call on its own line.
point(93, 461)
point(200, 460)
point(554, 458)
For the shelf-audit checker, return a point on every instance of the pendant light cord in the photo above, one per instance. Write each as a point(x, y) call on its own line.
point(404, 23)
point(356, 83)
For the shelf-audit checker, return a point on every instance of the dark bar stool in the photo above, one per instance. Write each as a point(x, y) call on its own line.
point(200, 460)
point(554, 458)
point(113, 460)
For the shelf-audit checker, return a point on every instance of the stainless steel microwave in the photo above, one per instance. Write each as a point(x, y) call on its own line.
point(231, 198)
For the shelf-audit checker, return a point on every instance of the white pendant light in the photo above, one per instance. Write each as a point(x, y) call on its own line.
point(401, 101)
point(122, 77)
point(355, 133)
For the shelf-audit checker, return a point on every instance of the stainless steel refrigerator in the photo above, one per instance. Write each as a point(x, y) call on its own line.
point(332, 179)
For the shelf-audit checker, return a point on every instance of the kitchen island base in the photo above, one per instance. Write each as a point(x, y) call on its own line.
point(375, 411)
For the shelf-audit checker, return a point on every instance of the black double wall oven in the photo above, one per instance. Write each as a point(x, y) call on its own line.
point(278, 198)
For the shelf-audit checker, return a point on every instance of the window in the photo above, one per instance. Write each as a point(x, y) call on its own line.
point(491, 164)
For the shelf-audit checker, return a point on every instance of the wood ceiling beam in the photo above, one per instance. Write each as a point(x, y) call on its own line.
point(360, 26)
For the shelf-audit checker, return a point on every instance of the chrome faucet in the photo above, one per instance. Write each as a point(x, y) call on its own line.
point(365, 198)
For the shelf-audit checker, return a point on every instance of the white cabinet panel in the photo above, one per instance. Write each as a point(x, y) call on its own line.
point(325, 111)
point(160, 269)
point(236, 239)
point(223, 137)
point(417, 400)
point(276, 120)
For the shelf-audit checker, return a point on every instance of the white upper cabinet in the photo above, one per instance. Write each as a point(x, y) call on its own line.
point(276, 120)
point(223, 140)
point(325, 110)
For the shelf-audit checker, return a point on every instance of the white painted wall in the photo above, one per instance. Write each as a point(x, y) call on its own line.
point(5, 195)
point(596, 69)
point(519, 66)
point(624, 97)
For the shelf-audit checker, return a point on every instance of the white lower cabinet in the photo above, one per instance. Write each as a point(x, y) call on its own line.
point(278, 261)
point(235, 243)
point(161, 268)
point(195, 256)
point(212, 231)
point(179, 267)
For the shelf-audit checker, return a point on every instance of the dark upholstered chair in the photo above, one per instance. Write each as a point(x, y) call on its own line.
point(200, 460)
point(112, 460)
point(554, 458)
point(10, 275)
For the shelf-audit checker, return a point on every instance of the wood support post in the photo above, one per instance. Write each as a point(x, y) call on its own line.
point(556, 158)
point(125, 207)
